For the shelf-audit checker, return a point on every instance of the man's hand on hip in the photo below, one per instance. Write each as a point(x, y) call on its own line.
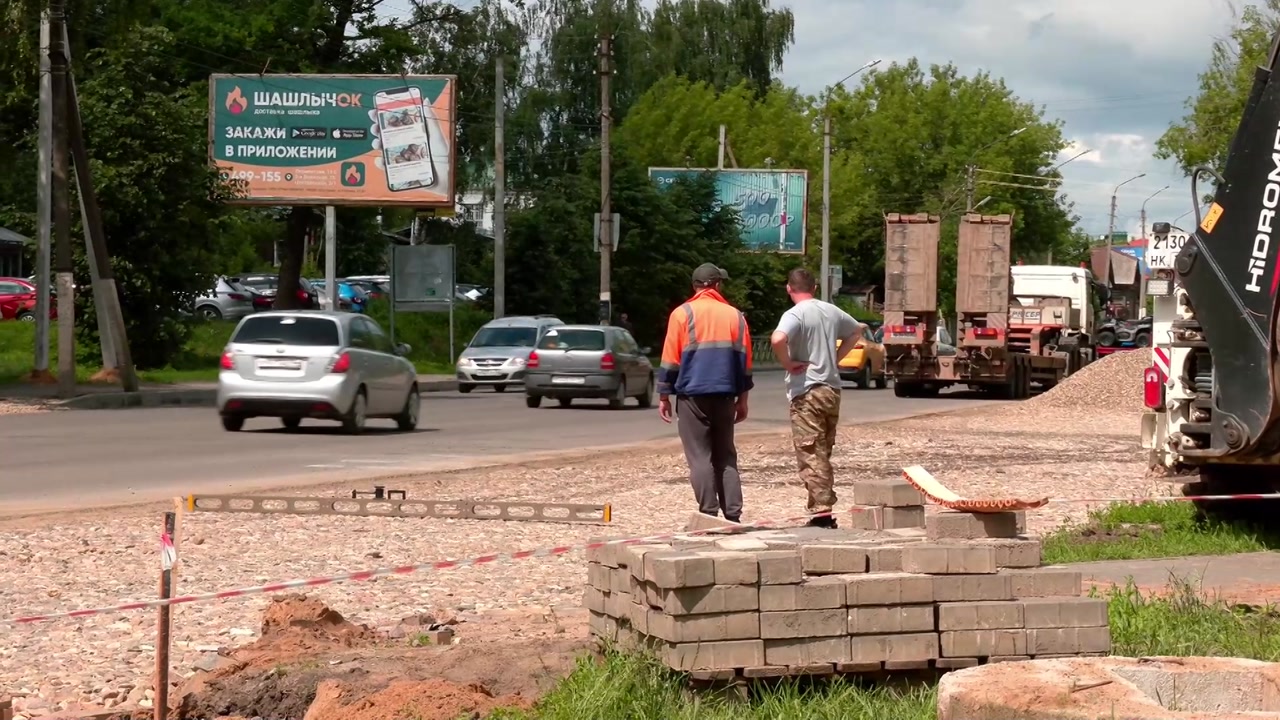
point(664, 408)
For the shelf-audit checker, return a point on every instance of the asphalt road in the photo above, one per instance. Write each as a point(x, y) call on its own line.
point(75, 459)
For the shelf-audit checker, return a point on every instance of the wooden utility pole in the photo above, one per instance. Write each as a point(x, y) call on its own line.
point(61, 197)
point(606, 211)
point(499, 192)
point(111, 329)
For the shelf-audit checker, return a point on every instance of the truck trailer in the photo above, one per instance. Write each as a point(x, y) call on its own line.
point(1016, 325)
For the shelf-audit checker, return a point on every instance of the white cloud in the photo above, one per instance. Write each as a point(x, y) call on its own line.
point(1116, 73)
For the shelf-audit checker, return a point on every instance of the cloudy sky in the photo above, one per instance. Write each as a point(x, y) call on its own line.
point(1116, 72)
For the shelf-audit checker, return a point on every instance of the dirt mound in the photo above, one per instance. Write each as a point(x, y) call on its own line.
point(1113, 383)
point(297, 625)
point(421, 700)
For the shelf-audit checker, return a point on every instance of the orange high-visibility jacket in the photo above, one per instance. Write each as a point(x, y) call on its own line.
point(708, 349)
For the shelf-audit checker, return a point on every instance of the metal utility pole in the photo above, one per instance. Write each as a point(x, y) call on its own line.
point(606, 211)
point(112, 334)
point(1144, 209)
point(331, 256)
point(968, 188)
point(826, 183)
point(44, 205)
point(720, 155)
point(1111, 224)
point(971, 169)
point(499, 193)
point(61, 200)
point(826, 207)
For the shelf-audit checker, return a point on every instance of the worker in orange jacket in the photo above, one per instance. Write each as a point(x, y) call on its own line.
point(706, 365)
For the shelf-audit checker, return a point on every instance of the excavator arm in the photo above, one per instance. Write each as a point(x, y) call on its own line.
point(1230, 270)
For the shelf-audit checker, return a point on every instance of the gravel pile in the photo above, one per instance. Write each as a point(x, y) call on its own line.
point(11, 407)
point(1113, 383)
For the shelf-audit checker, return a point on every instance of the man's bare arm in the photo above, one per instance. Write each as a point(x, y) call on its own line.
point(847, 344)
point(778, 340)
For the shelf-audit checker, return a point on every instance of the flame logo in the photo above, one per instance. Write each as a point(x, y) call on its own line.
point(236, 101)
point(353, 175)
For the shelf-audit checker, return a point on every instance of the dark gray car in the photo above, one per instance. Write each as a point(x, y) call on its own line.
point(574, 362)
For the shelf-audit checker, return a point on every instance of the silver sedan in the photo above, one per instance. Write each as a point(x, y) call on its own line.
point(315, 364)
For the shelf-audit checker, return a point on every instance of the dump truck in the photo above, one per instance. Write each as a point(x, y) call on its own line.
point(911, 326)
point(1212, 390)
point(1016, 325)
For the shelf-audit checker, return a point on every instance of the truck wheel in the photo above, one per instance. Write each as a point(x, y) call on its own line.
point(882, 382)
point(904, 390)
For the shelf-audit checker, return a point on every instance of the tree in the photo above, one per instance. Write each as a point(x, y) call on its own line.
point(1203, 135)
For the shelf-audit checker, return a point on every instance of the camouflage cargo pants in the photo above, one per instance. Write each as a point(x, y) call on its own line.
point(813, 430)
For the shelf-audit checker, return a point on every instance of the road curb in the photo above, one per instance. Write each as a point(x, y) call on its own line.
point(186, 397)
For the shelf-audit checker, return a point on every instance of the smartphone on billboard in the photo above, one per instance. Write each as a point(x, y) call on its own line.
point(406, 145)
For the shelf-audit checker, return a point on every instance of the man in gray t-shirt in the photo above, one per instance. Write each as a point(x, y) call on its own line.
point(805, 346)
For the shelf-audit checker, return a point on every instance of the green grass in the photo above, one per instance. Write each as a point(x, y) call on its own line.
point(1152, 530)
point(635, 687)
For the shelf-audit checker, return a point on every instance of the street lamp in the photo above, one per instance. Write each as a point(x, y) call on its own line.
point(1077, 156)
point(1144, 209)
point(971, 169)
point(981, 202)
point(826, 182)
point(1111, 226)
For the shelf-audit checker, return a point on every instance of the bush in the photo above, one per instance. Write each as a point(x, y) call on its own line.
point(427, 333)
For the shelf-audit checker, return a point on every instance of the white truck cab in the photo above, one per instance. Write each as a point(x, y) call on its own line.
point(1035, 282)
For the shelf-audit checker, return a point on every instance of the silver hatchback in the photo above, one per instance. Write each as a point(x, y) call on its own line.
point(588, 361)
point(315, 364)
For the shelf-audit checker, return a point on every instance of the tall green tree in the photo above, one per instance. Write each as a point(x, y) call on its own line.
point(1201, 137)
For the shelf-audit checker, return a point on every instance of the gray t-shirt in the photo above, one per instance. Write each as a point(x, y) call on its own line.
point(812, 328)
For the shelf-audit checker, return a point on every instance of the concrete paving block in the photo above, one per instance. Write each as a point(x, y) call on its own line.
point(806, 651)
point(970, 559)
point(598, 576)
point(633, 556)
point(926, 558)
point(1071, 612)
point(813, 593)
point(741, 544)
point(894, 648)
point(803, 624)
point(779, 567)
point(984, 643)
point(955, 663)
point(883, 519)
point(618, 605)
point(1067, 641)
point(698, 521)
point(859, 667)
point(885, 620)
point(889, 493)
point(620, 580)
point(734, 568)
point(761, 671)
point(638, 615)
point(1050, 581)
point(1007, 658)
point(832, 559)
point(704, 628)
point(985, 615)
point(711, 599)
point(900, 665)
point(603, 626)
point(687, 657)
point(595, 600)
point(1019, 553)
point(606, 554)
point(884, 559)
point(889, 589)
point(953, 525)
point(971, 588)
point(679, 570)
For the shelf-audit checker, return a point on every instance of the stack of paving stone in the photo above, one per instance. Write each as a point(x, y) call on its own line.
point(964, 589)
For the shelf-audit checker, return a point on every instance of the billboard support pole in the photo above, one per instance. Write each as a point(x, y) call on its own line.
point(61, 196)
point(44, 205)
point(453, 297)
point(499, 195)
point(331, 255)
point(606, 214)
point(391, 325)
point(720, 155)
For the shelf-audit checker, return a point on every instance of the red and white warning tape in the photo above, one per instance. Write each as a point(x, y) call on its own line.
point(402, 570)
point(520, 555)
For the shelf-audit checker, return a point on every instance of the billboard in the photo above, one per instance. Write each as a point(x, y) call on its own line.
point(335, 139)
point(772, 203)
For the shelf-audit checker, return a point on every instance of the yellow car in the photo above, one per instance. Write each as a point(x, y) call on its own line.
point(864, 365)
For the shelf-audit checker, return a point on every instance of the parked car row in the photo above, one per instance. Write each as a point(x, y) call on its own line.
point(18, 300)
point(232, 298)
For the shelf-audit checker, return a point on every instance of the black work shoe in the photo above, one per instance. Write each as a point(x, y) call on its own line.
point(823, 521)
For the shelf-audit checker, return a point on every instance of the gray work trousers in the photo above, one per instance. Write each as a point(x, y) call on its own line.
point(705, 423)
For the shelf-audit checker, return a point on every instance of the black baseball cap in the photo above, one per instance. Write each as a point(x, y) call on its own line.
point(709, 274)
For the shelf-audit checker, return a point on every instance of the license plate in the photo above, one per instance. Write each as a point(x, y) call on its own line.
point(568, 381)
point(488, 373)
point(279, 364)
